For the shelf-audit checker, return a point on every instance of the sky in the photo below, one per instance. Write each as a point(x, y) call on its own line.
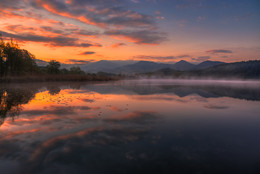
point(83, 31)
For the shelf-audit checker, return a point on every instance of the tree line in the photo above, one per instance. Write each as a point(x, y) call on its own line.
point(15, 61)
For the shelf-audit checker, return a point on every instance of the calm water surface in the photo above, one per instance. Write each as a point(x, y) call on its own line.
point(145, 126)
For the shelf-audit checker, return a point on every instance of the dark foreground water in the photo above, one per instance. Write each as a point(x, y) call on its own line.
point(130, 127)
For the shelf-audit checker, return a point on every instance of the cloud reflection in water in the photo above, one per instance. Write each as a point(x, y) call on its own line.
point(97, 128)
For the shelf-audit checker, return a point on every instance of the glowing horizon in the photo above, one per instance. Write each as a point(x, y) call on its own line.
point(152, 30)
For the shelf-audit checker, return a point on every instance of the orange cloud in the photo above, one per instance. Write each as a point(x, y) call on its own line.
point(4, 14)
point(53, 10)
point(116, 109)
point(116, 45)
point(52, 141)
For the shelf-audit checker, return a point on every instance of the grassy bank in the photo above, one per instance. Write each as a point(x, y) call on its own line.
point(59, 77)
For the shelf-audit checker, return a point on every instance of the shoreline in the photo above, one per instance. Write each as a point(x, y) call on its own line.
point(103, 78)
point(57, 78)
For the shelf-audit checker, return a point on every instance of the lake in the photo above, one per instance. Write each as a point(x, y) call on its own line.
point(131, 126)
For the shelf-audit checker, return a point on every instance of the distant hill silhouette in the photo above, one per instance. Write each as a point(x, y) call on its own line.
point(105, 66)
point(207, 64)
point(249, 69)
point(131, 67)
point(183, 66)
point(141, 67)
point(244, 70)
point(181, 69)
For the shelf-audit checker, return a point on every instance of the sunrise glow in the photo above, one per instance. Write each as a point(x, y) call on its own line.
point(159, 30)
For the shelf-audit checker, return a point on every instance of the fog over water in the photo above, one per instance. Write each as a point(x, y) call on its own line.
point(226, 82)
point(131, 126)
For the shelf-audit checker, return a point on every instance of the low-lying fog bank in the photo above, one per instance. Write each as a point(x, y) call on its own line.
point(168, 81)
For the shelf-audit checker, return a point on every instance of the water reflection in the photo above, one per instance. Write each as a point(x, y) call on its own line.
point(53, 90)
point(129, 127)
point(12, 100)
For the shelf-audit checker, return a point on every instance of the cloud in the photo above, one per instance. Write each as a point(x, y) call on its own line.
point(56, 110)
point(131, 20)
point(87, 53)
point(134, 117)
point(53, 30)
point(216, 107)
point(8, 3)
point(184, 56)
point(139, 37)
point(135, 1)
point(224, 56)
point(201, 58)
point(59, 41)
point(87, 33)
point(98, 13)
point(127, 129)
point(182, 23)
point(160, 98)
point(201, 18)
point(157, 58)
point(219, 51)
point(158, 15)
point(19, 28)
point(79, 62)
point(116, 45)
point(103, 18)
point(66, 30)
point(115, 109)
point(87, 100)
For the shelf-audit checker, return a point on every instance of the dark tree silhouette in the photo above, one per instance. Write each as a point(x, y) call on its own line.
point(76, 70)
point(15, 61)
point(53, 67)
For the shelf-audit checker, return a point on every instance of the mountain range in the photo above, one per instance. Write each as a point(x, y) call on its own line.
point(145, 66)
point(237, 70)
point(181, 69)
point(133, 67)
